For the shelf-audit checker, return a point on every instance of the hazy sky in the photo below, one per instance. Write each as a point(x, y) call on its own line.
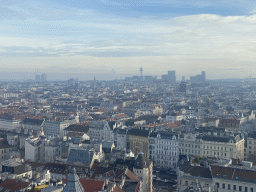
point(69, 38)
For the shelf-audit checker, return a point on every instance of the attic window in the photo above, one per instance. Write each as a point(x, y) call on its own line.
point(218, 175)
point(237, 178)
point(224, 176)
point(254, 180)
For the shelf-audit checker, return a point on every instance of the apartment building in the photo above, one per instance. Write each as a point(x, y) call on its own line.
point(219, 145)
point(163, 149)
point(190, 144)
point(250, 146)
point(223, 145)
point(120, 138)
point(56, 128)
point(35, 149)
point(100, 130)
point(138, 141)
point(214, 178)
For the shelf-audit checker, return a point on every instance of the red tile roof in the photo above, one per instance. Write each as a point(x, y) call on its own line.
point(234, 173)
point(13, 185)
point(91, 185)
point(75, 134)
point(118, 189)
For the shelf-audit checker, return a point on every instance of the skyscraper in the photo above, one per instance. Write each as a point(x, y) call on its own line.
point(38, 79)
point(170, 77)
point(43, 77)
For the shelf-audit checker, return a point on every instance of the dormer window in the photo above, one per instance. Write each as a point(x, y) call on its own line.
point(218, 175)
point(237, 178)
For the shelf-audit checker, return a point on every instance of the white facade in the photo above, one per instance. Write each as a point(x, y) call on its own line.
point(100, 130)
point(51, 152)
point(35, 149)
point(172, 119)
point(163, 149)
point(56, 128)
point(9, 124)
point(120, 138)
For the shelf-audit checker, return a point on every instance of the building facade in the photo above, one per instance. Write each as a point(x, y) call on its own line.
point(163, 149)
point(100, 130)
point(138, 141)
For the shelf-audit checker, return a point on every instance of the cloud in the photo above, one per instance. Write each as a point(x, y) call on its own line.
point(199, 35)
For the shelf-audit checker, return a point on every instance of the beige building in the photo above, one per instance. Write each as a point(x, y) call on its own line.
point(230, 124)
point(227, 179)
point(189, 174)
point(208, 122)
point(138, 141)
point(190, 145)
point(219, 145)
point(214, 178)
point(223, 146)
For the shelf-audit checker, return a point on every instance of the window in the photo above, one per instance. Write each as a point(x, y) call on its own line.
point(186, 182)
point(234, 187)
point(223, 185)
point(228, 186)
point(246, 189)
point(217, 185)
point(251, 189)
point(240, 188)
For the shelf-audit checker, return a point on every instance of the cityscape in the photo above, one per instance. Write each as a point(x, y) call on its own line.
point(127, 96)
point(136, 134)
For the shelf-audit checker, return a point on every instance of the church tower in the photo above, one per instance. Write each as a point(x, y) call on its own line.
point(73, 184)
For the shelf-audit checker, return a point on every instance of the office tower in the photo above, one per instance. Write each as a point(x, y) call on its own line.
point(198, 78)
point(38, 79)
point(43, 77)
point(170, 77)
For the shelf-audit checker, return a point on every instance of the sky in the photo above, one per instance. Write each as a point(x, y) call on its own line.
point(112, 38)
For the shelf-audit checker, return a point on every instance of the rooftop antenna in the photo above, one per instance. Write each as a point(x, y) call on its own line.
point(141, 70)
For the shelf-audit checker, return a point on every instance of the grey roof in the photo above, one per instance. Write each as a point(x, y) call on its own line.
point(217, 138)
point(120, 131)
point(82, 156)
point(73, 184)
point(106, 144)
point(98, 124)
point(29, 121)
point(163, 135)
point(139, 132)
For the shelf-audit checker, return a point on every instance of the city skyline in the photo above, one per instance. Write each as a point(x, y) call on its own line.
point(97, 37)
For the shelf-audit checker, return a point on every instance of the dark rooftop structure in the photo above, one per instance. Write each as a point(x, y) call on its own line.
point(30, 121)
point(139, 132)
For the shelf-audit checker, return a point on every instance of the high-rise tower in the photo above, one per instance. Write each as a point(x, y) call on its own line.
point(141, 70)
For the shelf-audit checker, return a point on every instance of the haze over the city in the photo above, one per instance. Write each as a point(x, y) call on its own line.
point(113, 39)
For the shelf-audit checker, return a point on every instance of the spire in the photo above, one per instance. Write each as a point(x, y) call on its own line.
point(73, 184)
